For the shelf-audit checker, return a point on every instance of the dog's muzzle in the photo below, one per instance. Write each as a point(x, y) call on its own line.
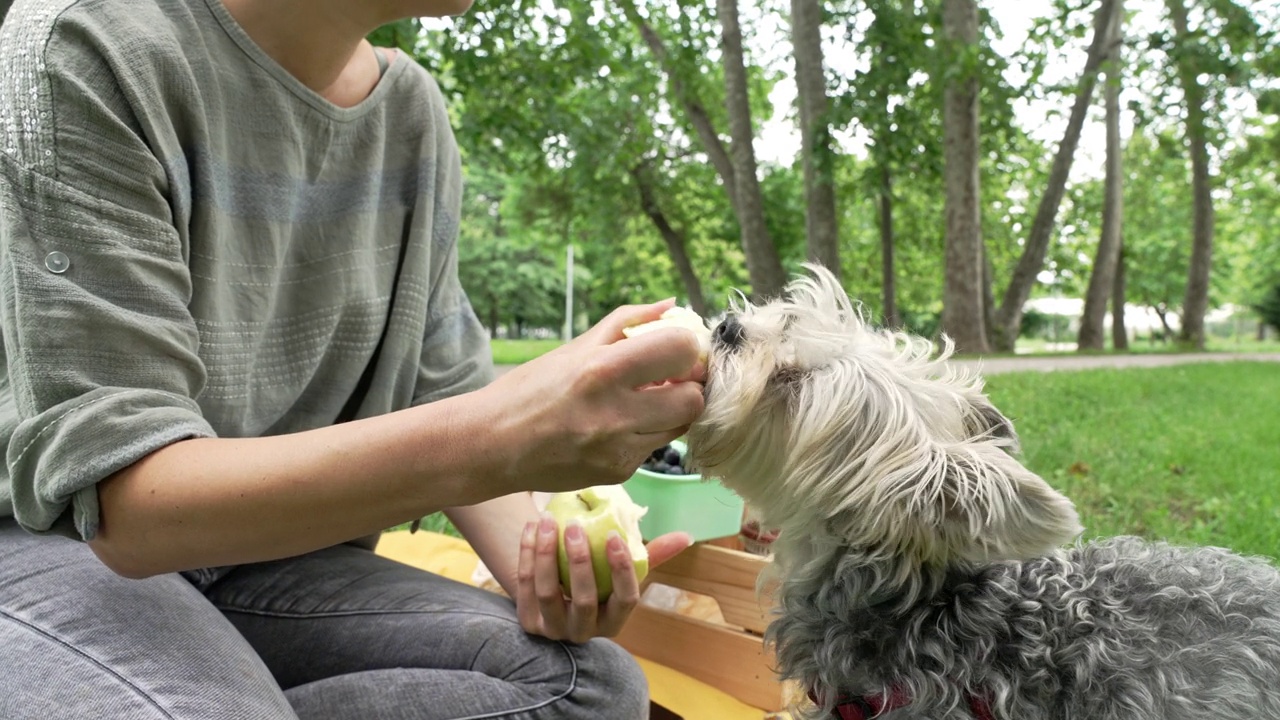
point(728, 333)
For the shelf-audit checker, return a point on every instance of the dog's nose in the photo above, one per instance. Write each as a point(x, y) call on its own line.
point(728, 333)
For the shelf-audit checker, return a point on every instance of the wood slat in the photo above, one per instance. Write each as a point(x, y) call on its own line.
point(728, 576)
point(729, 660)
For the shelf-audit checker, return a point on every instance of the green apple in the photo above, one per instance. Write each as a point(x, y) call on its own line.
point(681, 318)
point(600, 509)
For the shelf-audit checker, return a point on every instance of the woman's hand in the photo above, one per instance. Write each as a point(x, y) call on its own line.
point(589, 412)
point(542, 604)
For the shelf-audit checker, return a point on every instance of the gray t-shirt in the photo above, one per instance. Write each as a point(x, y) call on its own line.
point(194, 244)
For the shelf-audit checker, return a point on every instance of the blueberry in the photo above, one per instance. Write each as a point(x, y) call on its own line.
point(675, 470)
point(672, 457)
point(660, 453)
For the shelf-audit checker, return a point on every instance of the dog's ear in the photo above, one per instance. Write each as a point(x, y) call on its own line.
point(996, 509)
point(984, 420)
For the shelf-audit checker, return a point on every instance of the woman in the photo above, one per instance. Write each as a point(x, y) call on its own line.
point(235, 343)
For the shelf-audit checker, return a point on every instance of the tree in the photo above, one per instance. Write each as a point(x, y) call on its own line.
point(1155, 222)
point(963, 317)
point(736, 164)
point(820, 220)
point(1009, 317)
point(1196, 302)
point(1102, 279)
point(511, 280)
point(675, 240)
point(545, 89)
point(1269, 307)
point(767, 276)
point(1119, 333)
point(888, 276)
point(887, 98)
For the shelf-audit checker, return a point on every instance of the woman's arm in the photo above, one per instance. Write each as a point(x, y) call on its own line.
point(493, 529)
point(213, 501)
point(585, 414)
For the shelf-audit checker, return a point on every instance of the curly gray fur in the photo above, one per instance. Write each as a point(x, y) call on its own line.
point(916, 553)
point(1117, 629)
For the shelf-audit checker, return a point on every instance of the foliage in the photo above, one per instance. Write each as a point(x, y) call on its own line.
point(405, 35)
point(1043, 325)
point(1249, 260)
point(1207, 477)
point(513, 275)
point(555, 105)
point(1269, 307)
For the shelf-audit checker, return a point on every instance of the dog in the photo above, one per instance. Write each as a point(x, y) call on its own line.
point(921, 571)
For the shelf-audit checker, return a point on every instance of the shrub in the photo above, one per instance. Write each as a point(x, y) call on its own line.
point(1269, 308)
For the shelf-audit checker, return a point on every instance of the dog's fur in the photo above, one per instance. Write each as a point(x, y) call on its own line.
point(916, 554)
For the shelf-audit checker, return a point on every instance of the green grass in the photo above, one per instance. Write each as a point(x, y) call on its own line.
point(1189, 453)
point(516, 352)
point(436, 522)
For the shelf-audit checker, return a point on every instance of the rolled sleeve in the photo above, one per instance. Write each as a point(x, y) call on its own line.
point(57, 458)
point(101, 349)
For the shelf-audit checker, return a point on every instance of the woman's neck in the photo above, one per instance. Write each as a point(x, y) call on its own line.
point(320, 43)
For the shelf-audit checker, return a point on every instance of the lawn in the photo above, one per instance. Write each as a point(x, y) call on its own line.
point(1189, 453)
point(516, 352)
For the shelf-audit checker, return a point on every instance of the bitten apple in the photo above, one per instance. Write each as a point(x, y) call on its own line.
point(681, 318)
point(600, 509)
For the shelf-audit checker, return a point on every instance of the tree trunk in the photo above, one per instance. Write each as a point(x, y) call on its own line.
point(820, 220)
point(674, 239)
point(962, 317)
point(693, 107)
point(888, 278)
point(1196, 301)
point(988, 296)
point(1162, 312)
point(1092, 334)
point(765, 269)
point(1009, 318)
point(1119, 333)
point(763, 264)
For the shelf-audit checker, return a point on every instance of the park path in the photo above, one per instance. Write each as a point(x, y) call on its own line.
point(1049, 363)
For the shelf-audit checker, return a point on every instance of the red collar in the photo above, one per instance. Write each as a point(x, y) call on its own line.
point(866, 707)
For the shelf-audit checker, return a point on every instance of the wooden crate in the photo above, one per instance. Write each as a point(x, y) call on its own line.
point(728, 655)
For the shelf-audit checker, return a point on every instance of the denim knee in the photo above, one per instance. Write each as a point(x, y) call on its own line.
point(610, 683)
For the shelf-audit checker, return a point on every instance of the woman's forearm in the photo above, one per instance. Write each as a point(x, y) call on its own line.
point(214, 501)
point(586, 413)
point(493, 529)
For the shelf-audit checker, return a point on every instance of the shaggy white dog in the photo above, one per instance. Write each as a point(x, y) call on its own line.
point(924, 571)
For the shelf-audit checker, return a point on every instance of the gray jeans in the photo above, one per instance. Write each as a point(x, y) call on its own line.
point(339, 634)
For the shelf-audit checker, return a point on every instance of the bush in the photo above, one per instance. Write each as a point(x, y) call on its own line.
point(924, 323)
point(1269, 308)
point(1043, 325)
